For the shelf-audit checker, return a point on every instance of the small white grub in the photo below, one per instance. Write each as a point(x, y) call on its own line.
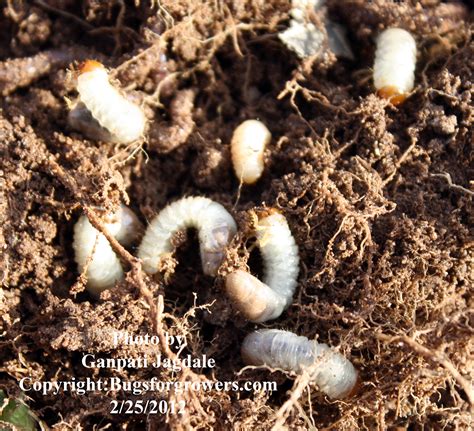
point(124, 120)
point(333, 373)
point(103, 266)
point(394, 65)
point(247, 147)
point(215, 226)
point(259, 301)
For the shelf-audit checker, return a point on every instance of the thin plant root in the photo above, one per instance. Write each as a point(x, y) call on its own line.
point(435, 357)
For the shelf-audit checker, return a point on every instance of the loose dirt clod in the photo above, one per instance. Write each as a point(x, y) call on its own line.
point(21, 72)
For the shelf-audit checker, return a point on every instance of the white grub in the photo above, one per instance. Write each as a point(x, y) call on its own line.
point(247, 147)
point(124, 120)
point(394, 65)
point(94, 254)
point(258, 301)
point(81, 119)
point(333, 373)
point(215, 226)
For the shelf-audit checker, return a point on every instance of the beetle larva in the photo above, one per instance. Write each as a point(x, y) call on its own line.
point(124, 120)
point(259, 301)
point(81, 119)
point(247, 147)
point(394, 65)
point(103, 267)
point(333, 373)
point(215, 226)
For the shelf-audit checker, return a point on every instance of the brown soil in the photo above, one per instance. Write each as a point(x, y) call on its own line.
point(379, 200)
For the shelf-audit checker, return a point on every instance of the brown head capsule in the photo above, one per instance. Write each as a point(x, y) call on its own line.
point(89, 66)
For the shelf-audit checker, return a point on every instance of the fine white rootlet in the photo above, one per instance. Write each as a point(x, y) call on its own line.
point(247, 147)
point(258, 301)
point(103, 267)
point(215, 226)
point(333, 373)
point(394, 65)
point(124, 120)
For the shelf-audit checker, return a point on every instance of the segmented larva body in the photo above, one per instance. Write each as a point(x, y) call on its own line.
point(81, 119)
point(247, 147)
point(394, 66)
point(215, 226)
point(103, 266)
point(333, 373)
point(124, 120)
point(259, 301)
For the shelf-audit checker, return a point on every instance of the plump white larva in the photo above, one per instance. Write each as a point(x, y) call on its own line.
point(394, 65)
point(124, 120)
point(103, 267)
point(247, 147)
point(215, 226)
point(333, 373)
point(81, 119)
point(259, 301)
